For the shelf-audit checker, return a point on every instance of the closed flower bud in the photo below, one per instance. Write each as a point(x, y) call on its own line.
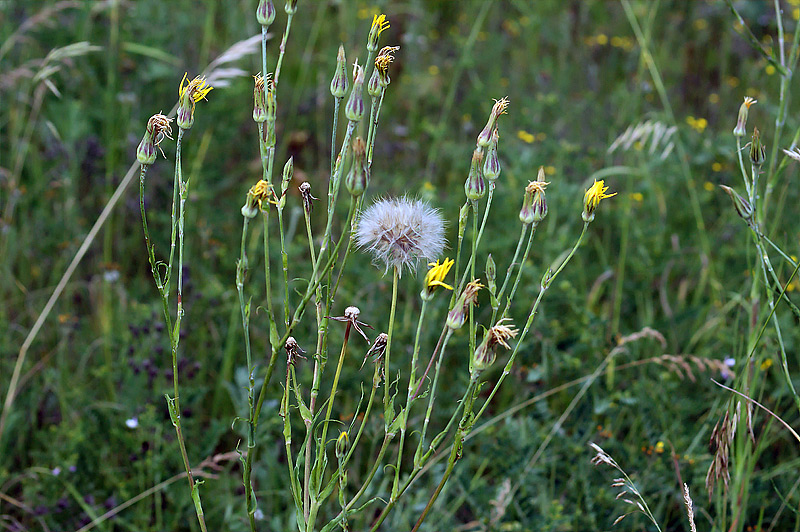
point(259, 100)
point(288, 173)
point(357, 178)
point(758, 153)
point(742, 206)
point(491, 166)
point(270, 100)
point(534, 204)
point(374, 87)
point(379, 25)
point(491, 274)
point(265, 13)
point(339, 83)
point(342, 445)
point(485, 354)
point(469, 297)
point(475, 187)
point(499, 108)
point(157, 128)
point(290, 7)
point(741, 122)
point(354, 109)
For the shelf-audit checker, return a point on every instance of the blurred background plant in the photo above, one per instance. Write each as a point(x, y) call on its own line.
point(84, 441)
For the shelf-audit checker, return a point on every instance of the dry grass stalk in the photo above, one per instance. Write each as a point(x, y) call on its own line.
point(719, 445)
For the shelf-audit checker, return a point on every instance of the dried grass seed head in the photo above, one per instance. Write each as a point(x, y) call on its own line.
point(401, 231)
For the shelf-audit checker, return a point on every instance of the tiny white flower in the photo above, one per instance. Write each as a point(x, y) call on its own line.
point(258, 515)
point(132, 423)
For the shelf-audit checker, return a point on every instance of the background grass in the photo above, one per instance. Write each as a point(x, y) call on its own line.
point(574, 75)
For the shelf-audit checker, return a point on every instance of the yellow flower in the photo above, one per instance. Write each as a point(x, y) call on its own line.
point(435, 277)
point(592, 198)
point(379, 25)
point(197, 89)
point(194, 91)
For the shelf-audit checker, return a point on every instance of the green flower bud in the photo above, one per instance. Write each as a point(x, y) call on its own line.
point(265, 13)
point(758, 153)
point(354, 109)
point(357, 178)
point(475, 187)
point(742, 206)
point(491, 166)
point(339, 83)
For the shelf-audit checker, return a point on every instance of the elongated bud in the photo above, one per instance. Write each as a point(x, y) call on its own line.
point(157, 129)
point(758, 153)
point(742, 206)
point(288, 173)
point(342, 445)
point(269, 97)
point(491, 166)
point(485, 354)
point(475, 187)
point(741, 123)
point(491, 274)
point(534, 204)
point(469, 297)
point(339, 83)
point(463, 216)
point(265, 13)
point(379, 25)
point(259, 100)
point(290, 7)
point(354, 109)
point(357, 178)
point(374, 87)
point(499, 108)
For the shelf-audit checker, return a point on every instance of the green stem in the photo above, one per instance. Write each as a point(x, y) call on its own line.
point(387, 405)
point(519, 274)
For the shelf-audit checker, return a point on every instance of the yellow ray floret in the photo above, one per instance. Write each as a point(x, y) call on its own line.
point(437, 273)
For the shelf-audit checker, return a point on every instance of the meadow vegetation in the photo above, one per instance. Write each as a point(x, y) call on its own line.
point(527, 266)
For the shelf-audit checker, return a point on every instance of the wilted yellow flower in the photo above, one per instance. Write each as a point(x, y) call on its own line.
point(382, 62)
point(435, 278)
point(592, 198)
point(458, 315)
point(499, 335)
point(741, 121)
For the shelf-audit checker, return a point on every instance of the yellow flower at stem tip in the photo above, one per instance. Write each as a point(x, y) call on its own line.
point(437, 273)
point(197, 88)
point(379, 25)
point(592, 198)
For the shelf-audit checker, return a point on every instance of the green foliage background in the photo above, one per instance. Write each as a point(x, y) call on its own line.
point(574, 75)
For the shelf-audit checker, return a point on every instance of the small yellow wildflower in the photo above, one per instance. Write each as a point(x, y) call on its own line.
point(379, 25)
point(435, 278)
point(592, 198)
point(716, 167)
point(525, 136)
point(659, 447)
point(602, 39)
point(195, 90)
point(637, 196)
point(769, 69)
point(766, 364)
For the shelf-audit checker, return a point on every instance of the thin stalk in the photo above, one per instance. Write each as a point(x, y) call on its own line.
point(462, 225)
point(431, 400)
point(531, 315)
point(511, 267)
point(409, 397)
point(476, 237)
point(334, 386)
point(336, 103)
point(519, 274)
point(387, 353)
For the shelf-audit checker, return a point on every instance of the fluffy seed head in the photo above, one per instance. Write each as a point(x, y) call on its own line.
point(401, 231)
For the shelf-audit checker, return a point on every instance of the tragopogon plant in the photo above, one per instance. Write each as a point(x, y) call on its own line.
point(399, 232)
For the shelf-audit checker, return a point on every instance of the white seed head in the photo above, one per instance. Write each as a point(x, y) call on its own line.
point(401, 231)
